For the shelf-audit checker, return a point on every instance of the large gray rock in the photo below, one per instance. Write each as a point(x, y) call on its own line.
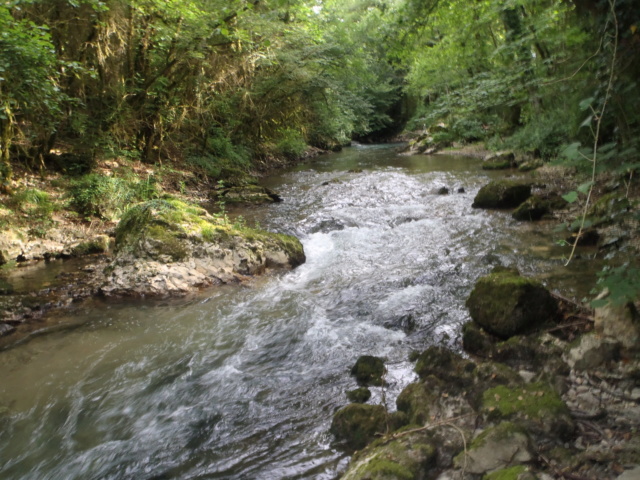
point(502, 194)
point(497, 448)
point(166, 247)
point(619, 322)
point(505, 304)
point(591, 352)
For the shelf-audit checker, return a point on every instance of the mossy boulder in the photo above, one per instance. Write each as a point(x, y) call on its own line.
point(499, 161)
point(536, 406)
point(403, 457)
point(167, 247)
point(357, 425)
point(417, 400)
point(477, 341)
point(502, 194)
point(98, 244)
point(444, 364)
point(503, 446)
point(532, 209)
point(505, 304)
point(248, 194)
point(359, 395)
point(369, 370)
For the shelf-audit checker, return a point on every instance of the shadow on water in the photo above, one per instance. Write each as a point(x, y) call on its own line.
point(241, 382)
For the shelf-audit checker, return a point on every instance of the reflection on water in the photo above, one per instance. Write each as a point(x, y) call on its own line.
point(241, 382)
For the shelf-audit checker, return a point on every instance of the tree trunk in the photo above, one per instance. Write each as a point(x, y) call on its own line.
point(6, 171)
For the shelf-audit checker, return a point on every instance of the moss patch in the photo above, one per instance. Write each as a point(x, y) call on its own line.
point(511, 473)
point(369, 370)
point(502, 194)
point(534, 400)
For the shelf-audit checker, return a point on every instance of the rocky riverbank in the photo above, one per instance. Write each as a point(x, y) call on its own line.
point(560, 401)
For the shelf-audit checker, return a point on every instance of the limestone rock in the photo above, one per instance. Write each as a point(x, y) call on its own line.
point(502, 194)
point(248, 194)
point(505, 304)
point(592, 352)
point(497, 448)
point(535, 406)
point(167, 247)
point(619, 322)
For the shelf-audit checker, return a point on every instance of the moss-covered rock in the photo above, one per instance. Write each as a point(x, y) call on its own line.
point(443, 364)
point(499, 447)
point(417, 400)
point(476, 341)
point(502, 194)
point(248, 194)
point(499, 161)
point(369, 370)
point(359, 395)
point(167, 247)
point(405, 457)
point(505, 304)
point(357, 425)
point(536, 406)
point(98, 244)
point(534, 208)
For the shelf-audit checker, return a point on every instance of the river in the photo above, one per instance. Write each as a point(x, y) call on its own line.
point(241, 381)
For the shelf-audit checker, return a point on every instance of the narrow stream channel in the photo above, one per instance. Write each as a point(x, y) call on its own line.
point(241, 382)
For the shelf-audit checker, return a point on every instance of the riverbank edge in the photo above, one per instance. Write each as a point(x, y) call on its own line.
point(90, 241)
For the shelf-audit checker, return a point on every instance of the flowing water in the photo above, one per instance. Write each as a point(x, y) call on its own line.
point(241, 382)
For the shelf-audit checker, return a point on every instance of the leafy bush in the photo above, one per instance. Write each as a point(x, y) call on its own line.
point(109, 197)
point(290, 144)
point(543, 136)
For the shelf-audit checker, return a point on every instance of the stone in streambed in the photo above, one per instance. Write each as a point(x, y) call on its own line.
point(502, 194)
point(359, 395)
point(369, 370)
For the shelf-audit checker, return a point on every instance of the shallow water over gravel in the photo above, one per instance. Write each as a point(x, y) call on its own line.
point(242, 381)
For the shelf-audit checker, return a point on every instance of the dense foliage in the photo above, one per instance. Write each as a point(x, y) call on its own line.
point(226, 86)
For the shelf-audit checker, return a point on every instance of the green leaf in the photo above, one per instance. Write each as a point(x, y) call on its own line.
point(571, 197)
point(584, 188)
point(586, 103)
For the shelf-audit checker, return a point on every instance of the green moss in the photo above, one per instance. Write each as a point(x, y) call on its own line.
point(535, 401)
point(369, 370)
point(386, 467)
point(357, 424)
point(502, 194)
point(359, 395)
point(510, 473)
point(503, 431)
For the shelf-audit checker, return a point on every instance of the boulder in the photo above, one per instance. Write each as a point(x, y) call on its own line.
point(369, 370)
point(535, 406)
point(167, 247)
point(408, 457)
point(533, 208)
point(502, 194)
point(619, 322)
point(11, 246)
point(357, 425)
point(505, 303)
point(499, 161)
point(98, 244)
point(499, 447)
point(592, 351)
point(248, 194)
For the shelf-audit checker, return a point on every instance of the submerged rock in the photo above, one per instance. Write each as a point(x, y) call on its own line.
point(505, 303)
point(167, 247)
point(502, 194)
